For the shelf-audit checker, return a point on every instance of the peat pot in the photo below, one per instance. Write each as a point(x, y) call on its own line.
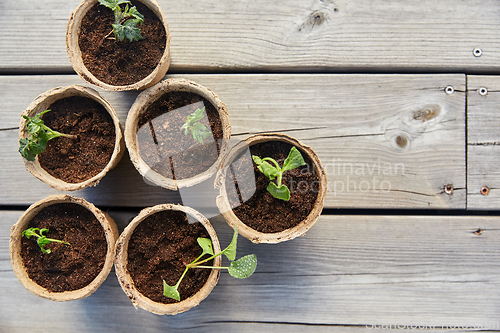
point(164, 146)
point(245, 201)
point(153, 247)
point(97, 145)
point(70, 271)
point(103, 60)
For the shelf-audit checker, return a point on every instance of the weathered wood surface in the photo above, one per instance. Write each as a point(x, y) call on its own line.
point(286, 35)
point(483, 142)
point(386, 141)
point(347, 270)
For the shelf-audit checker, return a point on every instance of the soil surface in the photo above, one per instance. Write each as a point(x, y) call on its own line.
point(260, 210)
point(76, 160)
point(67, 267)
point(157, 251)
point(117, 62)
point(165, 147)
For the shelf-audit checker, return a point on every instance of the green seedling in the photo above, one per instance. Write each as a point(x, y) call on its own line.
point(240, 269)
point(197, 129)
point(126, 20)
point(42, 240)
point(39, 135)
point(279, 190)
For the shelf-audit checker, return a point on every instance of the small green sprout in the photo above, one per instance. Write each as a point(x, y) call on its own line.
point(42, 240)
point(279, 191)
point(126, 21)
point(198, 130)
point(240, 269)
point(39, 135)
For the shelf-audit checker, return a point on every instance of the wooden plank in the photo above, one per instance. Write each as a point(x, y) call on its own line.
point(483, 142)
point(386, 141)
point(291, 35)
point(432, 271)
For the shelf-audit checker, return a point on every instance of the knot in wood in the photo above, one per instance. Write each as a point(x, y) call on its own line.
point(402, 141)
point(427, 113)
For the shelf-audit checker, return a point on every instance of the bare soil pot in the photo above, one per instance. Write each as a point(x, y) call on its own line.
point(75, 52)
point(108, 227)
point(225, 180)
point(42, 103)
point(122, 263)
point(162, 171)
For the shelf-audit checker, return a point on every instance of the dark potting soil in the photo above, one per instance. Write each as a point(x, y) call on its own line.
point(262, 211)
point(67, 267)
point(117, 62)
point(164, 146)
point(76, 160)
point(157, 251)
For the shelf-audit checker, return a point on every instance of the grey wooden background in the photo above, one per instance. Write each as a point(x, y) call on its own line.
point(368, 86)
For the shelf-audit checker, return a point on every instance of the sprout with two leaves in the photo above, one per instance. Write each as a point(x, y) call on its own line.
point(240, 269)
point(279, 190)
point(42, 240)
point(198, 130)
point(39, 136)
point(126, 20)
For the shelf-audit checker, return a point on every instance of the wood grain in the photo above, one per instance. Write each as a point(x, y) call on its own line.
point(385, 141)
point(483, 142)
point(350, 271)
point(286, 35)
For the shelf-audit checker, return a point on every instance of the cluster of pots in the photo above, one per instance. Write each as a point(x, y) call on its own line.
point(117, 246)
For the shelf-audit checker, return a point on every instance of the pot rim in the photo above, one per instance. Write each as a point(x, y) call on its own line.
point(110, 232)
point(42, 103)
point(75, 54)
point(144, 100)
point(127, 283)
point(248, 232)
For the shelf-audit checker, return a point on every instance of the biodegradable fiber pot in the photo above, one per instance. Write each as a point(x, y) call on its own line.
point(110, 232)
point(42, 103)
point(146, 99)
point(127, 283)
point(227, 209)
point(75, 53)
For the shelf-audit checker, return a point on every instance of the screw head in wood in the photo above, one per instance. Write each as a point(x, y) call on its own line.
point(448, 189)
point(485, 190)
point(477, 52)
point(449, 90)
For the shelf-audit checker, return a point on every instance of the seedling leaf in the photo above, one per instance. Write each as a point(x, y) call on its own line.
point(279, 192)
point(230, 250)
point(206, 246)
point(293, 160)
point(171, 291)
point(42, 241)
point(267, 169)
point(29, 232)
point(243, 267)
point(135, 13)
point(113, 4)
